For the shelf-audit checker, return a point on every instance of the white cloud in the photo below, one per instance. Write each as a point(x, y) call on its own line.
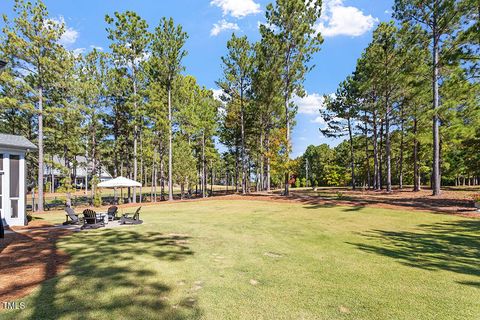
point(69, 35)
point(223, 25)
point(237, 8)
point(267, 25)
point(318, 120)
point(96, 47)
point(340, 20)
point(309, 104)
point(78, 51)
point(217, 93)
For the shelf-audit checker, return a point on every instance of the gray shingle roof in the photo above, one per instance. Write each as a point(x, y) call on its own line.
point(16, 142)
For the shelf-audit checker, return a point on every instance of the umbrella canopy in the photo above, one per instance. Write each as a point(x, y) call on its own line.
point(120, 182)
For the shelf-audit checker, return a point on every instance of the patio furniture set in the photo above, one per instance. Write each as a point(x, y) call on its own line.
point(94, 220)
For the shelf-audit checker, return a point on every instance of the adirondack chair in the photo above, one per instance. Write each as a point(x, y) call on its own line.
point(72, 216)
point(129, 218)
point(92, 220)
point(112, 213)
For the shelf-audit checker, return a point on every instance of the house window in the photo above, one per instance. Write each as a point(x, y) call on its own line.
point(14, 184)
point(14, 206)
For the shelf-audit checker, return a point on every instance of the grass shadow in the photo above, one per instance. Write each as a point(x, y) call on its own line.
point(110, 276)
point(319, 205)
point(353, 209)
point(451, 246)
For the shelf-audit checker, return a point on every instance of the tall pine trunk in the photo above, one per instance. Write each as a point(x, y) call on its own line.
point(204, 170)
point(152, 178)
point(135, 136)
point(388, 153)
point(170, 183)
point(367, 156)
point(402, 134)
point(162, 172)
point(242, 137)
point(267, 141)
point(380, 158)
point(352, 157)
point(287, 141)
point(236, 169)
point(436, 136)
point(40, 149)
point(142, 169)
point(262, 162)
point(416, 165)
point(376, 178)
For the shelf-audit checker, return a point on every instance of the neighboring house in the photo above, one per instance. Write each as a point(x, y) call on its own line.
point(81, 171)
point(12, 178)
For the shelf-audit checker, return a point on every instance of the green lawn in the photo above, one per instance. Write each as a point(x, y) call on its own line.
point(263, 260)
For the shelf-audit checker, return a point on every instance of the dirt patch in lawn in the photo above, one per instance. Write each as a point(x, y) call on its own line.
point(27, 258)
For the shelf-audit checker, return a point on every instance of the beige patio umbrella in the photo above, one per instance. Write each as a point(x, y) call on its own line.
point(119, 182)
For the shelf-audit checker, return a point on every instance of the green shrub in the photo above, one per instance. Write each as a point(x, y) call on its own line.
point(97, 199)
point(48, 186)
point(297, 183)
point(303, 182)
point(97, 196)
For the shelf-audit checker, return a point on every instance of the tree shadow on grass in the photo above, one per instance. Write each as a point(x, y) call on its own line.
point(353, 209)
point(452, 246)
point(329, 205)
point(110, 276)
point(319, 205)
point(358, 198)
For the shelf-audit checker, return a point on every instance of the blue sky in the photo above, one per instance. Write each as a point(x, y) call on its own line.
point(346, 25)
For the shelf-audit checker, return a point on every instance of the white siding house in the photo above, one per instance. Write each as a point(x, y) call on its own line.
point(12, 178)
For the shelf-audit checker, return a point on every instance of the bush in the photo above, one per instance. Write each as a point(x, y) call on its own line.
point(97, 199)
point(303, 182)
point(297, 183)
point(97, 196)
point(48, 186)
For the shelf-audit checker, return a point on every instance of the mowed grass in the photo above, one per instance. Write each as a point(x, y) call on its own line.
point(239, 259)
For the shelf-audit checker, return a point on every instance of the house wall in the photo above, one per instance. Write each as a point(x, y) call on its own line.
point(7, 199)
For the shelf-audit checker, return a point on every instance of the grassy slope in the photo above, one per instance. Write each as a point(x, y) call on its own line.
point(265, 260)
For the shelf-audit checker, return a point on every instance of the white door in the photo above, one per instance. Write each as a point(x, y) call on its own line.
point(13, 189)
point(16, 215)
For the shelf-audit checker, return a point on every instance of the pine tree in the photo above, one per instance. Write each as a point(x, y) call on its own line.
point(443, 20)
point(129, 36)
point(167, 50)
point(293, 23)
point(236, 82)
point(30, 43)
point(267, 99)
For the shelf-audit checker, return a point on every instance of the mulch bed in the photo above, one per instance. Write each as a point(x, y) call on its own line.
point(27, 258)
point(449, 202)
